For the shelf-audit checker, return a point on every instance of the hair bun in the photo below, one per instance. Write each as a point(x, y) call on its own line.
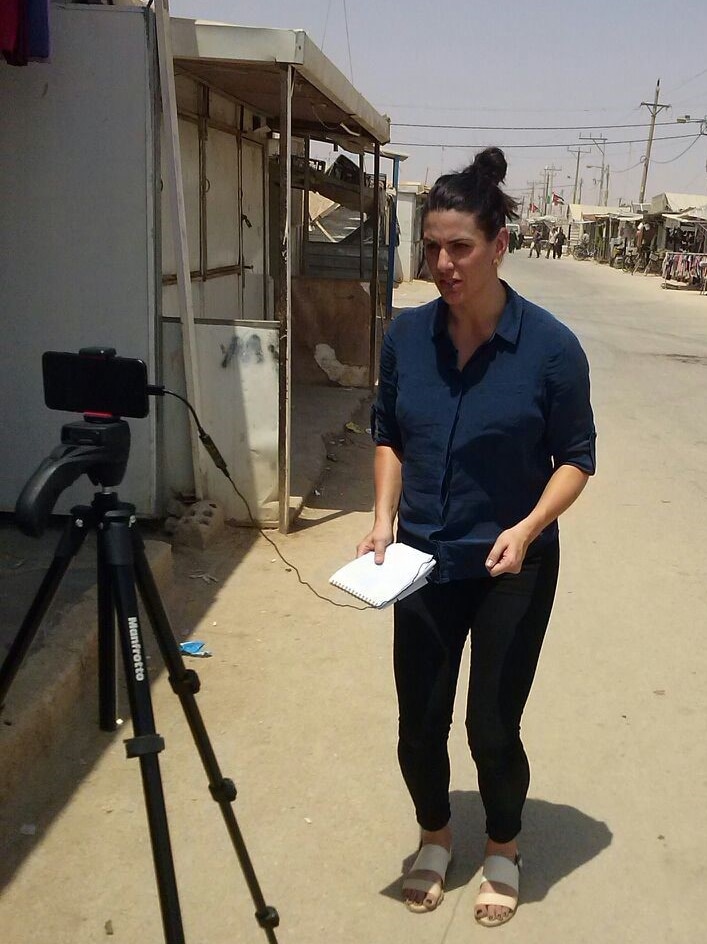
point(490, 163)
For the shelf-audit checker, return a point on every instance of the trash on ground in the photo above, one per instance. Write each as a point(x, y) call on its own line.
point(28, 829)
point(109, 927)
point(200, 575)
point(194, 647)
point(353, 428)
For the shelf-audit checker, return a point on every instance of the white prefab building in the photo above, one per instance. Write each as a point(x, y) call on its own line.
point(411, 197)
point(90, 255)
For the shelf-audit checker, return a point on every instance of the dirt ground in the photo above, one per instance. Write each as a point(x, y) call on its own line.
point(299, 703)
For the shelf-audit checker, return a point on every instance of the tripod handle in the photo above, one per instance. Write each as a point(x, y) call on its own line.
point(55, 473)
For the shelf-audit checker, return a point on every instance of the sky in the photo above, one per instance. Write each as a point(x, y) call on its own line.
point(540, 75)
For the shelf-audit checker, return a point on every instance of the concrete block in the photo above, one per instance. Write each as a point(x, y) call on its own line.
point(198, 527)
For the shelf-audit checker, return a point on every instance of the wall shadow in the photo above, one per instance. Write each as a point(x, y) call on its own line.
point(69, 752)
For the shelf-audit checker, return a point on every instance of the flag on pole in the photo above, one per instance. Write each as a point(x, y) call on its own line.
point(557, 200)
point(534, 208)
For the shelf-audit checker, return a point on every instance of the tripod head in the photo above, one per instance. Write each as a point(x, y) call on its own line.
point(103, 387)
point(96, 446)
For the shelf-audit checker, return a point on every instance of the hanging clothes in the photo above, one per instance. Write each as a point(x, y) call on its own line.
point(24, 31)
point(688, 267)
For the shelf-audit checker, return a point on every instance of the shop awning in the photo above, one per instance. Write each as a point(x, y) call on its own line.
point(698, 215)
point(677, 202)
point(246, 63)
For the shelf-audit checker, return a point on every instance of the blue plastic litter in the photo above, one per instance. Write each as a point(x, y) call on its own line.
point(194, 648)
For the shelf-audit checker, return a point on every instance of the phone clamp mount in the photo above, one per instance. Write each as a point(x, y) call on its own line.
point(99, 447)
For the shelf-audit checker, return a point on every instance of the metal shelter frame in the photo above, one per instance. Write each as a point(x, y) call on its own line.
point(282, 76)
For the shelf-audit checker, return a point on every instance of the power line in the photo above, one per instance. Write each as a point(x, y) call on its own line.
point(554, 144)
point(572, 111)
point(625, 170)
point(681, 152)
point(691, 79)
point(348, 42)
point(326, 22)
point(404, 124)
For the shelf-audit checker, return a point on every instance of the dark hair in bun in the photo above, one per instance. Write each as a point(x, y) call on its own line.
point(476, 190)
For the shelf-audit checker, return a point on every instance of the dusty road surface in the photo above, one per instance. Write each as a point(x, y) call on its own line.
point(299, 702)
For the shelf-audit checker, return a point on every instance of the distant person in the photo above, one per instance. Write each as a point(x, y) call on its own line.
point(484, 437)
point(512, 241)
point(551, 243)
point(535, 244)
point(560, 239)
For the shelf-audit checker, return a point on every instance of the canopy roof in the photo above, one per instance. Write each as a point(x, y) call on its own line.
point(586, 212)
point(246, 63)
point(677, 202)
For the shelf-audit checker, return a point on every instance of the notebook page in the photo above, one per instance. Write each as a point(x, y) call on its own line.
point(378, 584)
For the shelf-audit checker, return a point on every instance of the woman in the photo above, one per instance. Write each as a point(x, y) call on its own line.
point(484, 436)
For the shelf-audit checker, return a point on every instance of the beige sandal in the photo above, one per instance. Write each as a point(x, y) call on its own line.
point(430, 858)
point(507, 872)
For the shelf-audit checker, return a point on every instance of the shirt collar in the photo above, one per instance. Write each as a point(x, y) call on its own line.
point(508, 326)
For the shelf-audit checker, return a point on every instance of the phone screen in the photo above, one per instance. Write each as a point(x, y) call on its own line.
point(80, 383)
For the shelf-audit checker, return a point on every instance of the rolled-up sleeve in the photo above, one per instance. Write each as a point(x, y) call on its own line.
point(384, 426)
point(571, 434)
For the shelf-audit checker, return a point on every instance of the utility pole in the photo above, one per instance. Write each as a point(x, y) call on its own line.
point(654, 108)
point(549, 172)
point(606, 190)
point(533, 184)
point(600, 142)
point(578, 152)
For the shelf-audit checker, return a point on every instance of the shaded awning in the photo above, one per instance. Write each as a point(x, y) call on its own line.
point(246, 63)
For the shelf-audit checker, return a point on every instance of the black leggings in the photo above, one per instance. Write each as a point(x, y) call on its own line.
point(507, 617)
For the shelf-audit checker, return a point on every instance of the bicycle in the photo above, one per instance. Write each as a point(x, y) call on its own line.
point(581, 252)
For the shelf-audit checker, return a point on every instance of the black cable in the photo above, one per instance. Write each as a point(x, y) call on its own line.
point(220, 464)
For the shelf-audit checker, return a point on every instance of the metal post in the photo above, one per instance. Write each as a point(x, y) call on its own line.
point(361, 220)
point(373, 352)
point(305, 234)
point(392, 238)
point(284, 299)
point(175, 189)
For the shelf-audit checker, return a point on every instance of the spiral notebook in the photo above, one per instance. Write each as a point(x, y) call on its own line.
point(404, 570)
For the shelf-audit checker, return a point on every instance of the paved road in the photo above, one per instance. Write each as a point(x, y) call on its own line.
point(299, 702)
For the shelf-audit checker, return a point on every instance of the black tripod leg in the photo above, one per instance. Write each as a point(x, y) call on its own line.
point(185, 684)
point(146, 743)
point(69, 544)
point(107, 677)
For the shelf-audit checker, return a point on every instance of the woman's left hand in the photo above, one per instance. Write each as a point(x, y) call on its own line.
point(508, 553)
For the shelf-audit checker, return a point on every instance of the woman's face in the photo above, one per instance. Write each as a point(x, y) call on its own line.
point(463, 262)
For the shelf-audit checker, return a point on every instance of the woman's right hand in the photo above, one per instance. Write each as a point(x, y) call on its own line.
point(376, 540)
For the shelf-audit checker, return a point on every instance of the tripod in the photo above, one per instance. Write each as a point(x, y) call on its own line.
point(101, 450)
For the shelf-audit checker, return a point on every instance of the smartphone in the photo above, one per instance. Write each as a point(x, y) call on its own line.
point(95, 381)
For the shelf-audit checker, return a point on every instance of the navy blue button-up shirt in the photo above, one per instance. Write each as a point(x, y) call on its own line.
point(478, 446)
